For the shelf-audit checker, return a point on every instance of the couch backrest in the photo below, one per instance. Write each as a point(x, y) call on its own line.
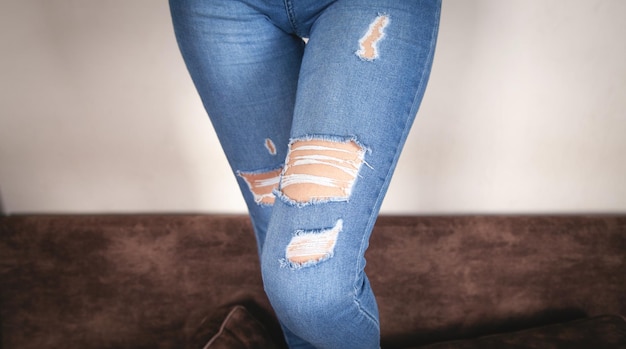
point(146, 281)
point(454, 277)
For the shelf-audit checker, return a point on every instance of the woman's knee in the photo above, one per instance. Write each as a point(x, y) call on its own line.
point(308, 293)
point(322, 309)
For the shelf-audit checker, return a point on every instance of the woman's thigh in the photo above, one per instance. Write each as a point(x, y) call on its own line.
point(245, 70)
point(363, 76)
point(362, 79)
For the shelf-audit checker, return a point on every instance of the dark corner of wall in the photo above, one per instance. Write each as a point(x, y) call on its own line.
point(2, 213)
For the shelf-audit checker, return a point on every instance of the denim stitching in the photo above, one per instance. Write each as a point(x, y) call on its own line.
point(291, 15)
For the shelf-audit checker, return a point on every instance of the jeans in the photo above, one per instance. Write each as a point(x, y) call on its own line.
point(313, 132)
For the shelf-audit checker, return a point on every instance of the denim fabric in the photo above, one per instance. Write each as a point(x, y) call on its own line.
point(313, 133)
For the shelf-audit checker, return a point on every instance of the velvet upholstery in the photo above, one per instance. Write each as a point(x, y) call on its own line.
point(601, 332)
point(148, 281)
point(234, 329)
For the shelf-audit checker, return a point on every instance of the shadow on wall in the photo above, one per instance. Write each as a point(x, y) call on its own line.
point(2, 213)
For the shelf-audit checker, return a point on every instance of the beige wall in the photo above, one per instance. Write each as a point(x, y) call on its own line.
point(525, 112)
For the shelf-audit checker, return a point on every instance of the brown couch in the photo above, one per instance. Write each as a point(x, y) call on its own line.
point(165, 281)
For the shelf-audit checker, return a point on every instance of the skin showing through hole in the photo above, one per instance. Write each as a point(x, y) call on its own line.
point(262, 185)
point(269, 145)
point(313, 246)
point(368, 43)
point(320, 169)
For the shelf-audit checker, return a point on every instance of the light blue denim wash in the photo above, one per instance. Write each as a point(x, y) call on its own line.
point(284, 110)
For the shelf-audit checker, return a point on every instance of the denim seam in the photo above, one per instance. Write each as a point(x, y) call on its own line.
point(291, 15)
point(415, 104)
point(367, 314)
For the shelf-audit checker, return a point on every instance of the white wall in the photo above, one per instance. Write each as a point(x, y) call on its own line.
point(525, 112)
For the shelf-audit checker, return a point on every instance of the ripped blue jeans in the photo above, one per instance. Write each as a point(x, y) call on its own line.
point(313, 132)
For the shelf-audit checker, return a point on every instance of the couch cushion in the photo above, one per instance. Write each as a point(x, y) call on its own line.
point(602, 332)
point(231, 328)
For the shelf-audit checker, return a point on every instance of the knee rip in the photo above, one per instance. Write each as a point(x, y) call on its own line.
point(368, 44)
point(262, 185)
point(308, 248)
point(320, 170)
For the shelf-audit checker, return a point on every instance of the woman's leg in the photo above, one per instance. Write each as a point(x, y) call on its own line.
point(362, 78)
point(246, 70)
